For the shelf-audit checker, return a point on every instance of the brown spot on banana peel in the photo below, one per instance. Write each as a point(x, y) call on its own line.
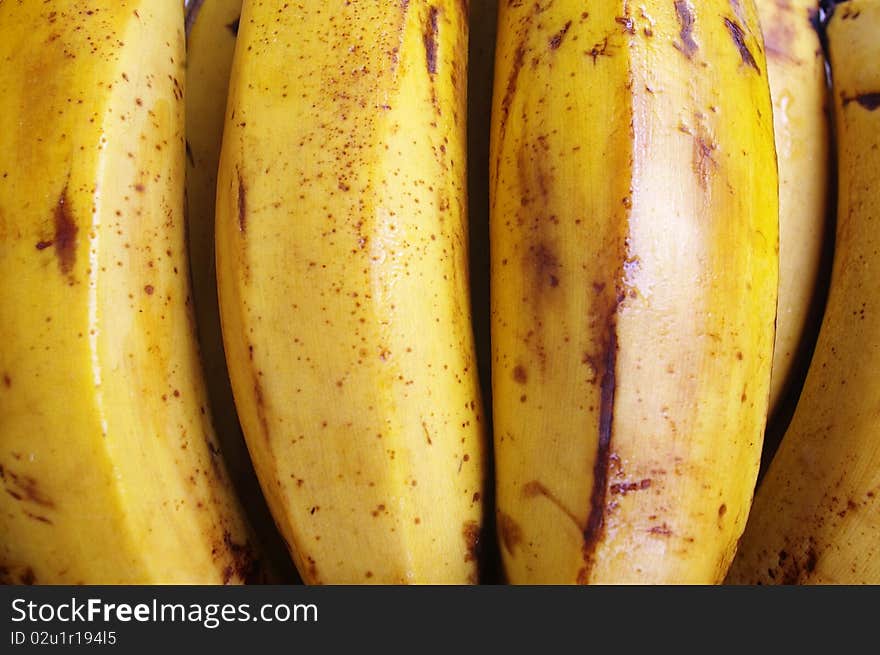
point(519, 374)
point(544, 263)
point(25, 488)
point(242, 204)
point(260, 402)
point(623, 488)
point(704, 162)
point(64, 240)
point(471, 533)
point(510, 532)
point(869, 101)
point(794, 565)
point(430, 39)
point(739, 40)
point(626, 22)
point(17, 575)
point(245, 566)
point(312, 571)
point(685, 14)
point(556, 40)
point(36, 517)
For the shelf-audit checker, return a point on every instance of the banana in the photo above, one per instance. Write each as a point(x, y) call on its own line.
point(796, 71)
point(343, 284)
point(211, 29)
point(815, 518)
point(634, 264)
point(110, 469)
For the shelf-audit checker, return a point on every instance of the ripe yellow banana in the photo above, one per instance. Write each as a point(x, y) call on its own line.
point(212, 26)
point(343, 284)
point(816, 515)
point(796, 71)
point(109, 465)
point(634, 284)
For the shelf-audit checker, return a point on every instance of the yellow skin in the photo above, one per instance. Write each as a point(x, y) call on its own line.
point(343, 280)
point(212, 26)
point(816, 516)
point(634, 280)
point(796, 71)
point(110, 470)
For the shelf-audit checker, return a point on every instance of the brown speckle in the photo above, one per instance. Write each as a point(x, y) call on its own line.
point(27, 489)
point(704, 161)
point(37, 517)
point(623, 488)
point(148, 289)
point(556, 39)
point(519, 374)
point(662, 530)
point(627, 23)
point(471, 533)
point(245, 565)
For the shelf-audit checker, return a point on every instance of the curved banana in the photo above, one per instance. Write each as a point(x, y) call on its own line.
point(634, 285)
point(816, 515)
point(343, 284)
point(212, 26)
point(110, 469)
point(796, 71)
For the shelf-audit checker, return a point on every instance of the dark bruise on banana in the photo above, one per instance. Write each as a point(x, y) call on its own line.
point(547, 276)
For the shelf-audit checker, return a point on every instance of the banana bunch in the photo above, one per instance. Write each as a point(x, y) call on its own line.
point(109, 464)
point(343, 285)
point(815, 518)
point(251, 255)
point(634, 273)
